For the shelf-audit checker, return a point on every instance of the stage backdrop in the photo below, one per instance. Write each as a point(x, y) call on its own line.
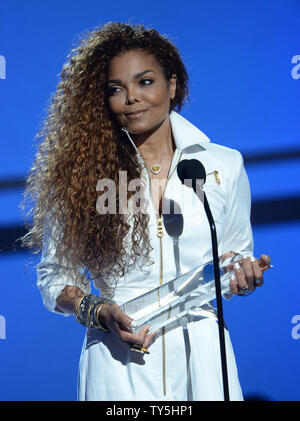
point(243, 58)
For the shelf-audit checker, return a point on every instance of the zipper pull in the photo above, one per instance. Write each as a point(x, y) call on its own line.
point(160, 232)
point(216, 173)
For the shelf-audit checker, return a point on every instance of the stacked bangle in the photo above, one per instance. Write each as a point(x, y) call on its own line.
point(87, 310)
point(97, 310)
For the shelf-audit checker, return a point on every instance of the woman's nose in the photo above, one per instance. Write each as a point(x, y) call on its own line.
point(132, 96)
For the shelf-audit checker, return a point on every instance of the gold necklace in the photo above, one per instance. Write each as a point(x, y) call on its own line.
point(156, 168)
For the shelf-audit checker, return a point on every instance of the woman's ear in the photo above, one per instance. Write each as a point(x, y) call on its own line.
point(172, 86)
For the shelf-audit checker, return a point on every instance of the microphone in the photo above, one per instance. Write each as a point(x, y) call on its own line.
point(192, 169)
point(173, 222)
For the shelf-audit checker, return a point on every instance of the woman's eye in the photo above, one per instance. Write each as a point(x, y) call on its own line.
point(112, 90)
point(146, 81)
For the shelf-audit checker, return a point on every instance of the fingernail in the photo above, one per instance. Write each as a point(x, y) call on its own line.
point(233, 277)
point(133, 323)
point(253, 259)
point(236, 266)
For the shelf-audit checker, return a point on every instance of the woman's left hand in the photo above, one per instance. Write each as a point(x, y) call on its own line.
point(248, 274)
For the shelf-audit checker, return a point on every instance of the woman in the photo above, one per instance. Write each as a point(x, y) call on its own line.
point(114, 114)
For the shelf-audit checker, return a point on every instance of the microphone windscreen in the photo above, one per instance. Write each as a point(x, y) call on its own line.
point(172, 217)
point(191, 169)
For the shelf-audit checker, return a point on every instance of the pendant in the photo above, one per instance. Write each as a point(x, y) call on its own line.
point(155, 169)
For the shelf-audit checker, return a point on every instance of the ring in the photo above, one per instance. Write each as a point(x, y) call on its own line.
point(139, 348)
point(242, 290)
point(258, 282)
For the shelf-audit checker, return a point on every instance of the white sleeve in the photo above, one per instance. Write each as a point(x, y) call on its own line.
point(52, 278)
point(237, 231)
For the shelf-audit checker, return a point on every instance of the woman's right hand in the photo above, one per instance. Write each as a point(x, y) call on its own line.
point(112, 317)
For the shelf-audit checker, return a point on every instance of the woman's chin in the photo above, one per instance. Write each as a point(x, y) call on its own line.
point(140, 129)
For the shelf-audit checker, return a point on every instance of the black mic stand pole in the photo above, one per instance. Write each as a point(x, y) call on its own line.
point(194, 170)
point(218, 297)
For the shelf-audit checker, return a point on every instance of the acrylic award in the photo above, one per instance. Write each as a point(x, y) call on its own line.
point(174, 299)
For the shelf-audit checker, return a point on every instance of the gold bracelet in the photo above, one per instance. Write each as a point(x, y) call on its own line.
point(77, 306)
point(104, 329)
point(86, 309)
point(88, 317)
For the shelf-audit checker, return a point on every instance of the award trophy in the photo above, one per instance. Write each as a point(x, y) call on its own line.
point(174, 299)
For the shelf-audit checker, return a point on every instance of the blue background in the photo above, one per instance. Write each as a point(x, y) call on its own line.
point(242, 95)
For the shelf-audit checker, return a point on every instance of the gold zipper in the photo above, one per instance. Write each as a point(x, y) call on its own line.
point(160, 234)
point(216, 174)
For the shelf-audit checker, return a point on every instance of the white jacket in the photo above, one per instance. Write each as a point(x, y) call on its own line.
point(181, 365)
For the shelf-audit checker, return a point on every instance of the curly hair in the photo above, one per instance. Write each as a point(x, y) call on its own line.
point(80, 143)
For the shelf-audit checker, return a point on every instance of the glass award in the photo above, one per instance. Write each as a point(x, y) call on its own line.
point(174, 299)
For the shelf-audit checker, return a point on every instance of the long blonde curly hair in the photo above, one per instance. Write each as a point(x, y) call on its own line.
point(80, 143)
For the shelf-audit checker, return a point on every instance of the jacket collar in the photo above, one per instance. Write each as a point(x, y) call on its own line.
point(185, 133)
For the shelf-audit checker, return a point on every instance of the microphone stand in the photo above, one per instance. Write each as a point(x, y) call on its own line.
point(194, 170)
point(218, 297)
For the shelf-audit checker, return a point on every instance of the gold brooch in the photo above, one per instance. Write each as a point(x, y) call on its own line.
point(216, 174)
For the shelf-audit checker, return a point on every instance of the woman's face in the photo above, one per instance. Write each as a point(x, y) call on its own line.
point(138, 92)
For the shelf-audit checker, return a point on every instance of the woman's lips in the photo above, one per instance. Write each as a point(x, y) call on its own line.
point(136, 115)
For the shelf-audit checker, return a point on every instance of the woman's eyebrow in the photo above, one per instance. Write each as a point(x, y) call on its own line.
point(135, 76)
